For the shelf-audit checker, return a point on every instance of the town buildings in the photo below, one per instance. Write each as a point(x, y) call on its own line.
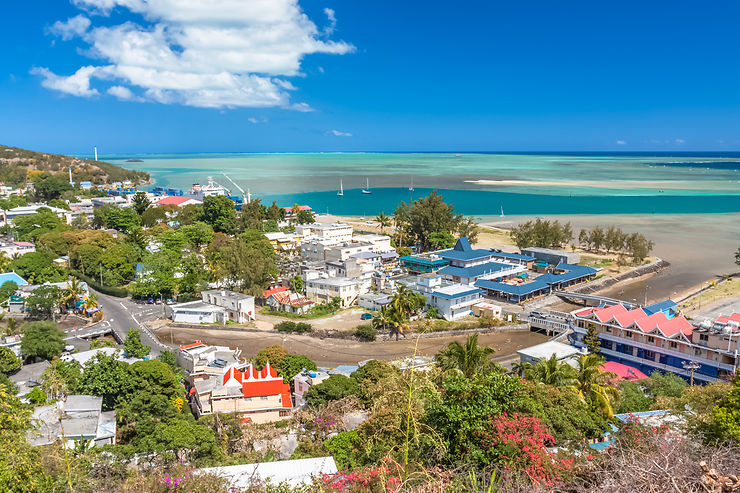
point(200, 361)
point(452, 301)
point(218, 306)
point(654, 337)
point(82, 420)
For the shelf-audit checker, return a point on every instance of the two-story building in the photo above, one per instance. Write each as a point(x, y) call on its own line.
point(654, 337)
point(200, 361)
point(325, 289)
point(467, 264)
point(452, 300)
point(258, 396)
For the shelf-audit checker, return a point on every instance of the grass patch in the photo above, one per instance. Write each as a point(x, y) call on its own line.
point(300, 316)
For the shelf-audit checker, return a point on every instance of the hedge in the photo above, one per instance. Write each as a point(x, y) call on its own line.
point(288, 326)
point(109, 290)
point(366, 333)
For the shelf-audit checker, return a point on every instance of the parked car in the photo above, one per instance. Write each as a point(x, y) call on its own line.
point(367, 316)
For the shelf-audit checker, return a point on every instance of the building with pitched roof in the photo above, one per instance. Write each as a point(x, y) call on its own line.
point(82, 419)
point(178, 201)
point(288, 301)
point(258, 396)
point(468, 265)
point(654, 337)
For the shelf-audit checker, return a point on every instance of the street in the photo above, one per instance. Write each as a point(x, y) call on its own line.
point(122, 314)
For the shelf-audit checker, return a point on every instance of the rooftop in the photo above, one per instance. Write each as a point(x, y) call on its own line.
point(463, 251)
point(228, 294)
point(197, 305)
point(476, 270)
point(547, 349)
point(455, 291)
point(513, 256)
point(291, 472)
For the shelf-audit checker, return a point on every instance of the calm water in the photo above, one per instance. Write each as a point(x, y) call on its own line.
point(524, 183)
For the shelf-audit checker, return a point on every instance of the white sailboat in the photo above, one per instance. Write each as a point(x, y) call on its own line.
point(411, 188)
point(341, 188)
point(367, 186)
point(502, 211)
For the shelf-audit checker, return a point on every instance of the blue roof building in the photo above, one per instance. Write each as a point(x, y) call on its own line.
point(423, 263)
point(542, 285)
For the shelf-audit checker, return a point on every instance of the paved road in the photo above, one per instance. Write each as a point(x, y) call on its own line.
point(122, 314)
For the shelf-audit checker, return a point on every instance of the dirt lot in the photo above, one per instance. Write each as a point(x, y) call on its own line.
point(332, 352)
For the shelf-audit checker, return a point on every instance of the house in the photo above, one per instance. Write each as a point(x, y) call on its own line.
point(239, 306)
point(28, 210)
point(333, 232)
point(11, 342)
point(82, 419)
point(198, 312)
point(486, 309)
point(303, 381)
point(468, 265)
point(17, 248)
point(288, 301)
point(324, 290)
point(293, 473)
point(452, 300)
point(513, 258)
point(552, 257)
point(258, 396)
point(178, 201)
point(563, 352)
point(282, 242)
point(623, 372)
point(374, 301)
point(423, 263)
point(654, 337)
point(289, 210)
point(200, 361)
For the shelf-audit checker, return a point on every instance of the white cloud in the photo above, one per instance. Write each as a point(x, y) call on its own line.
point(77, 84)
point(340, 134)
point(679, 141)
point(215, 54)
point(621, 142)
point(122, 93)
point(74, 26)
point(254, 120)
point(329, 29)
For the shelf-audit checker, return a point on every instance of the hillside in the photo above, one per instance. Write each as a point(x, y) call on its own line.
point(16, 164)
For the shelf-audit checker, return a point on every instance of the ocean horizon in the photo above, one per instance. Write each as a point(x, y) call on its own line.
point(476, 183)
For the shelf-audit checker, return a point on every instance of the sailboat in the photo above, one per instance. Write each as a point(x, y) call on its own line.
point(367, 186)
point(411, 188)
point(341, 188)
point(502, 211)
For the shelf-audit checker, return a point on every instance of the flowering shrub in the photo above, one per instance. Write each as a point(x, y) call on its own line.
point(379, 479)
point(518, 442)
point(638, 436)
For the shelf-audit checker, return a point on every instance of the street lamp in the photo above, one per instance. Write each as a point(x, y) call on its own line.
point(691, 367)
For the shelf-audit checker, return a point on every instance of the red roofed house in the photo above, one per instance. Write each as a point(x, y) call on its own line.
point(178, 201)
point(289, 210)
point(287, 301)
point(623, 372)
point(259, 396)
point(654, 337)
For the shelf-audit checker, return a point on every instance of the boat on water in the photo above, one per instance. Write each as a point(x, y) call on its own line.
point(411, 188)
point(367, 186)
point(341, 188)
point(209, 189)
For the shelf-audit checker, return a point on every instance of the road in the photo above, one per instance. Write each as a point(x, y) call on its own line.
point(122, 314)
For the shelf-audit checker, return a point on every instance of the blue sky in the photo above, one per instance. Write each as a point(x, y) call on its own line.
point(360, 75)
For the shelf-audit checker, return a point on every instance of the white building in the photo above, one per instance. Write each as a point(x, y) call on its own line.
point(218, 306)
point(563, 352)
point(28, 210)
point(303, 381)
point(323, 290)
point(17, 248)
point(201, 361)
point(333, 232)
point(452, 301)
point(82, 420)
point(294, 473)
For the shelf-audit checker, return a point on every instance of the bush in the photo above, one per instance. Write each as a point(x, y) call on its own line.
point(366, 333)
point(288, 326)
point(109, 290)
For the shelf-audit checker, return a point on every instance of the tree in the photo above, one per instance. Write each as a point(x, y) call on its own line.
point(633, 398)
point(296, 284)
point(468, 359)
point(38, 268)
point(184, 438)
point(726, 415)
point(332, 389)
point(383, 221)
point(43, 300)
point(168, 357)
point(550, 371)
point(140, 202)
point(368, 375)
point(305, 217)
point(198, 234)
point(247, 267)
point(292, 364)
point(29, 228)
point(441, 239)
point(593, 343)
point(42, 340)
point(596, 238)
point(123, 219)
point(583, 238)
point(429, 215)
point(49, 187)
point(468, 229)
point(275, 212)
point(7, 289)
point(153, 216)
point(218, 211)
point(9, 362)
point(274, 354)
point(106, 377)
point(595, 385)
point(72, 293)
point(61, 378)
point(158, 275)
point(80, 221)
point(133, 347)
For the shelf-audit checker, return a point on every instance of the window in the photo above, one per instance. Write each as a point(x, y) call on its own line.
point(649, 355)
point(284, 413)
point(263, 398)
point(651, 339)
point(674, 345)
point(628, 334)
point(608, 330)
point(704, 337)
point(697, 352)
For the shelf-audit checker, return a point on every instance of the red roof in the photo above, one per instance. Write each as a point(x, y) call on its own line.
point(300, 208)
point(192, 345)
point(583, 313)
point(278, 289)
point(669, 327)
point(260, 383)
point(624, 372)
point(626, 318)
point(606, 313)
point(23, 243)
point(735, 317)
point(173, 200)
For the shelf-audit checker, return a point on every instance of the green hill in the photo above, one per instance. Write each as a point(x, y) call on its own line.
point(19, 165)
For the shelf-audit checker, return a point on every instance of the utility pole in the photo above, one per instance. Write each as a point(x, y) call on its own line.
point(691, 367)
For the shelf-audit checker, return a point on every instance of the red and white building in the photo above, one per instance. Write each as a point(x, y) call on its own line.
point(178, 201)
point(259, 396)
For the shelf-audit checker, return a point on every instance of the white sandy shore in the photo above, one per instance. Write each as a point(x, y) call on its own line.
point(620, 184)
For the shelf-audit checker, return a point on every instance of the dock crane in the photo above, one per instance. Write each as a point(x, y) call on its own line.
point(246, 197)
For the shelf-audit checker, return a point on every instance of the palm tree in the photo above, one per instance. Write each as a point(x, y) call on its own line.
point(91, 301)
point(595, 385)
point(4, 261)
point(389, 318)
point(520, 368)
point(383, 220)
point(73, 292)
point(404, 301)
point(550, 372)
point(468, 359)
